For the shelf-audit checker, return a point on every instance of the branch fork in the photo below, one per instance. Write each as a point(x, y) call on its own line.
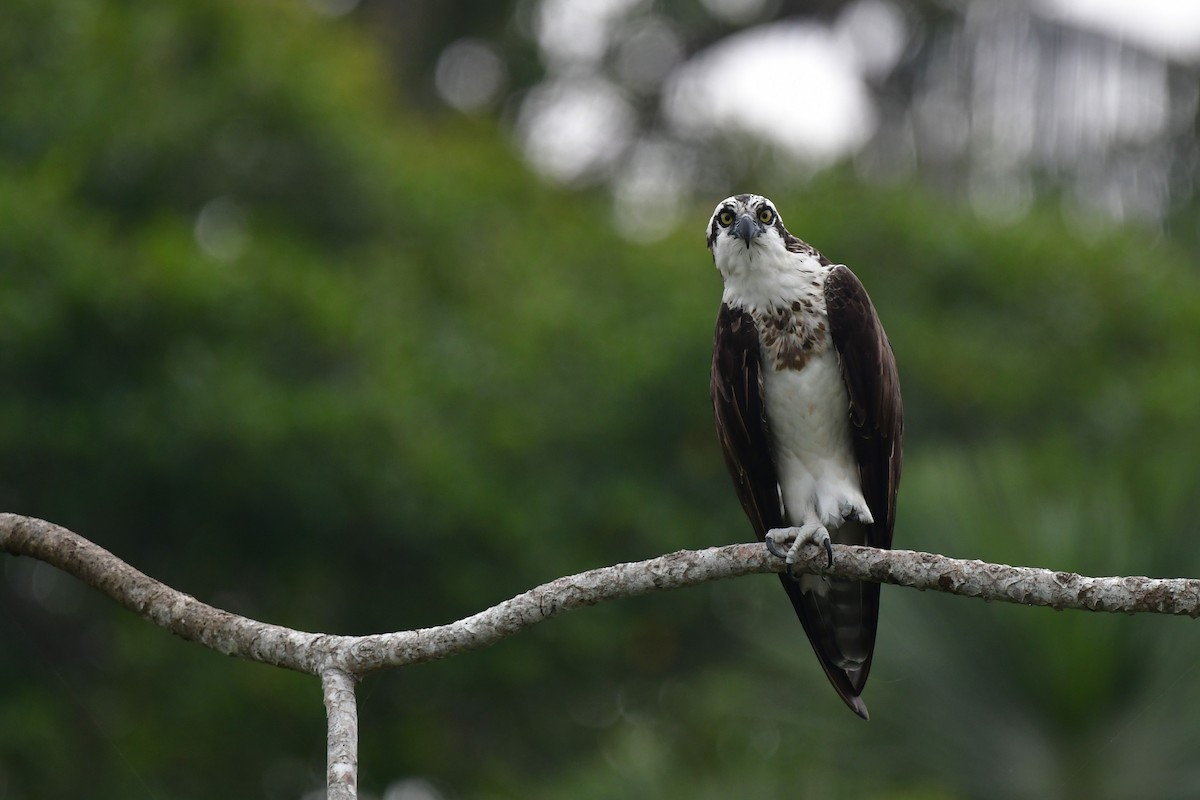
point(340, 660)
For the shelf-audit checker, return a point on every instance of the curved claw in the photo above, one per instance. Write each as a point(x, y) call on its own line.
point(828, 553)
point(770, 543)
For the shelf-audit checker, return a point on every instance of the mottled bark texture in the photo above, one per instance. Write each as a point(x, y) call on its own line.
point(341, 711)
point(339, 660)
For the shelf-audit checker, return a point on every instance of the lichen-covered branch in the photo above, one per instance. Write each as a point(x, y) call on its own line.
point(316, 653)
point(1025, 585)
point(338, 660)
point(341, 710)
point(179, 613)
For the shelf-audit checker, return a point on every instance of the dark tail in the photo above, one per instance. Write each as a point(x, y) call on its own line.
point(840, 618)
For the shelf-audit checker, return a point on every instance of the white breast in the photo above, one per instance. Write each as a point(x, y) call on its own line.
point(808, 413)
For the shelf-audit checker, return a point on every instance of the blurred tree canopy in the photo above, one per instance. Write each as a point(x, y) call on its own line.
point(311, 355)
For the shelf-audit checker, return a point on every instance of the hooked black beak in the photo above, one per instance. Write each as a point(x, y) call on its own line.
point(746, 229)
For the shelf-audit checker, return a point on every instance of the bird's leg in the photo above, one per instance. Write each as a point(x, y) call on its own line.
point(793, 538)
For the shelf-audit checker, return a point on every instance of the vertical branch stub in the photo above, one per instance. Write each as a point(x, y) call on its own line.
point(341, 710)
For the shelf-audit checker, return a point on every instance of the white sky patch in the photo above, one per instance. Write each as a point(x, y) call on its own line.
point(646, 53)
point(1169, 27)
point(648, 190)
point(790, 84)
point(469, 75)
point(574, 126)
point(876, 31)
point(578, 31)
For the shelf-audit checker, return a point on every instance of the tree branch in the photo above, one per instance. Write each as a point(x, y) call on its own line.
point(315, 653)
point(341, 710)
point(339, 660)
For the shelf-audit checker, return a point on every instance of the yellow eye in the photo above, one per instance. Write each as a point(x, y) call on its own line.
point(725, 218)
point(765, 215)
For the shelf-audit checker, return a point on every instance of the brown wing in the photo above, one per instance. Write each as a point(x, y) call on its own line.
point(737, 395)
point(876, 410)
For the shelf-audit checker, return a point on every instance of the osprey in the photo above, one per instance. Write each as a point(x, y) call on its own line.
point(807, 406)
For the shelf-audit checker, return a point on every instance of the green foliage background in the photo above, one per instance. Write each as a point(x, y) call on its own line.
point(422, 381)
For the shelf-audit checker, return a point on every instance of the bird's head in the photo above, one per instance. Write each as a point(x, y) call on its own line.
point(759, 261)
point(743, 224)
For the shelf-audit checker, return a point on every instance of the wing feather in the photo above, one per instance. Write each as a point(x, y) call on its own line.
point(737, 395)
point(873, 383)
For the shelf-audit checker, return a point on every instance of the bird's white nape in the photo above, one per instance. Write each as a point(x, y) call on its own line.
point(761, 272)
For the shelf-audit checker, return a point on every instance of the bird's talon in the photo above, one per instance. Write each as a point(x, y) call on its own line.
point(773, 550)
point(796, 538)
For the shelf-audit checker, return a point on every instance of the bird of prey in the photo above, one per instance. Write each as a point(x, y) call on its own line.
point(807, 405)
